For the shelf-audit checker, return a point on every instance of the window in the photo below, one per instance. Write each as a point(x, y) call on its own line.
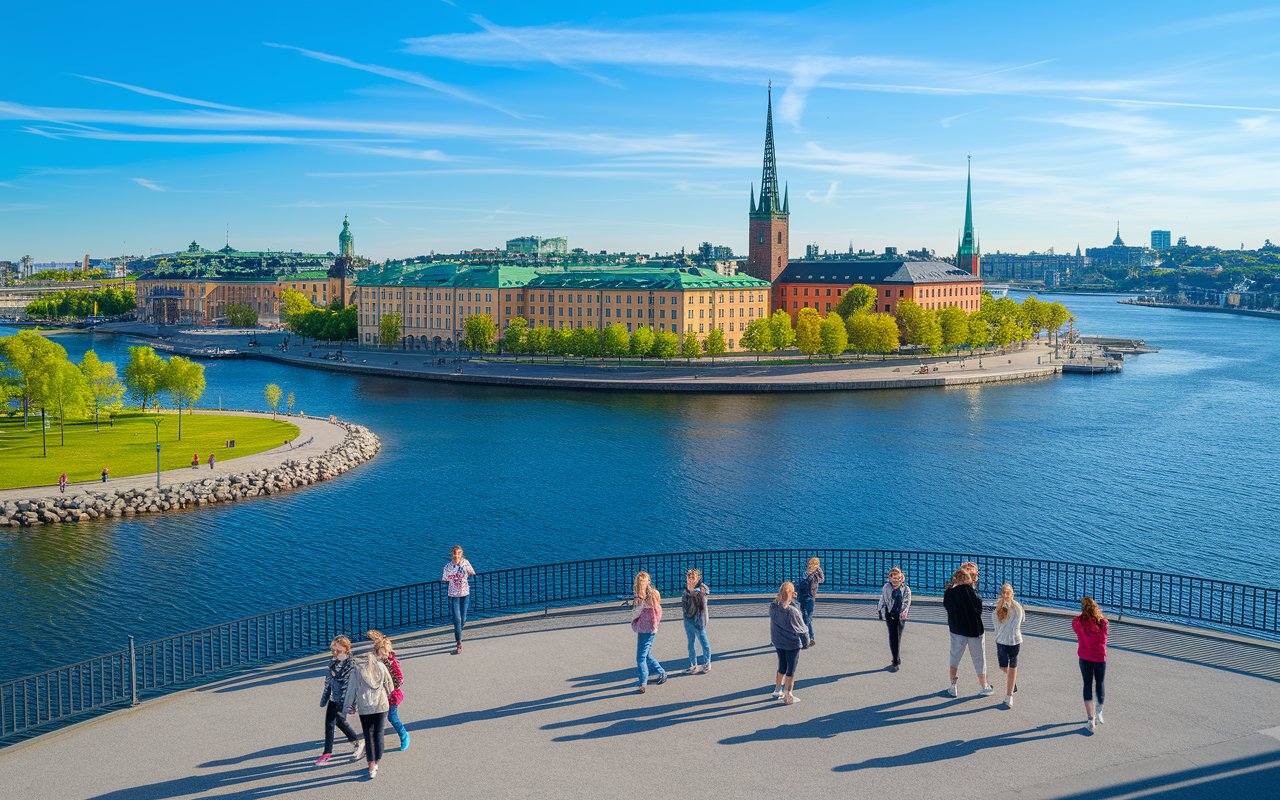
point(794, 291)
point(779, 237)
point(900, 293)
point(628, 313)
point(508, 299)
point(700, 328)
point(722, 312)
point(794, 304)
point(806, 291)
point(579, 298)
point(508, 307)
point(691, 313)
point(662, 300)
point(628, 299)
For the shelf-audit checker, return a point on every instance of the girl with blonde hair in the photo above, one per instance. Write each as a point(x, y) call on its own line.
point(367, 694)
point(694, 604)
point(807, 592)
point(789, 636)
point(335, 690)
point(1091, 636)
point(1008, 617)
point(382, 646)
point(646, 613)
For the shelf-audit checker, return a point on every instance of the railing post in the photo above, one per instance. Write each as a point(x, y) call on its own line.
point(133, 673)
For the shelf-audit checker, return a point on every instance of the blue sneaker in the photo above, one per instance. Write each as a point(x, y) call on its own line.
point(404, 742)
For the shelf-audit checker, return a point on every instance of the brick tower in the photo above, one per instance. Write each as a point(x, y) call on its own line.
point(968, 255)
point(767, 248)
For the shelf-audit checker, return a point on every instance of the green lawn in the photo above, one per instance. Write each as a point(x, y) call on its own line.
point(130, 447)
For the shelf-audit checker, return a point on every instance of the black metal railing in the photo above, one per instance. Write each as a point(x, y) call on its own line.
point(145, 670)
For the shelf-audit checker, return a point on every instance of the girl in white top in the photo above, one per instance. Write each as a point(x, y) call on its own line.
point(1008, 619)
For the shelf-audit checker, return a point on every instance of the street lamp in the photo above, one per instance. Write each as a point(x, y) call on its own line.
point(157, 422)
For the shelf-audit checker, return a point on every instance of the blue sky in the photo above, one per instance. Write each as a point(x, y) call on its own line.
point(448, 125)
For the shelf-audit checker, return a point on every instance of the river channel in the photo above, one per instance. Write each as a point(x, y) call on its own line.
point(1170, 466)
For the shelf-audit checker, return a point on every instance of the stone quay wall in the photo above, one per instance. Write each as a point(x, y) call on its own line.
point(357, 446)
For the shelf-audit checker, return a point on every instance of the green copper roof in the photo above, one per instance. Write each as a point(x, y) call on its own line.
point(771, 205)
point(647, 279)
point(968, 238)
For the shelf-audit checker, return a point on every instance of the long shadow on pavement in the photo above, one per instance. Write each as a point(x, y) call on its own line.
point(959, 748)
point(1253, 777)
point(245, 782)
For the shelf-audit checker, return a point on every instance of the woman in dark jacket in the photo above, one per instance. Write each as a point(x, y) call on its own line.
point(789, 635)
point(694, 603)
point(964, 618)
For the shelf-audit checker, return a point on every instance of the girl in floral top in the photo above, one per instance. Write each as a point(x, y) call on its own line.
point(382, 647)
point(456, 573)
point(646, 613)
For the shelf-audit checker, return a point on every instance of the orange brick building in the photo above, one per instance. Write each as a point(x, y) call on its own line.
point(931, 284)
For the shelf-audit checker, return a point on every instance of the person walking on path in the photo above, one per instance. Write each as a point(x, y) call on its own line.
point(335, 692)
point(195, 461)
point(62, 483)
point(104, 474)
point(211, 459)
point(1009, 616)
point(1091, 636)
point(964, 619)
point(694, 603)
point(367, 692)
point(789, 636)
point(646, 613)
point(382, 646)
point(895, 600)
point(456, 573)
point(807, 592)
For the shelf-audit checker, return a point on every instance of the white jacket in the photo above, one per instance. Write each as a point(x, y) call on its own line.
point(366, 697)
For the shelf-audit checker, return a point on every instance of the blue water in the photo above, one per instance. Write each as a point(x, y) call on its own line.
point(1170, 466)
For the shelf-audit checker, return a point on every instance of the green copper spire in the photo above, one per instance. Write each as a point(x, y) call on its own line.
point(346, 242)
point(968, 238)
point(771, 205)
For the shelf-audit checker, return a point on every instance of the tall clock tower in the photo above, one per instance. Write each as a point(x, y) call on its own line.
point(767, 248)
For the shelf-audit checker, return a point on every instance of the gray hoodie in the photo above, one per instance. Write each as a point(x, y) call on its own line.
point(787, 630)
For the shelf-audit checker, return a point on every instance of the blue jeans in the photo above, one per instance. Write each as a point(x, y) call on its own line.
point(806, 613)
point(393, 716)
point(458, 606)
point(644, 661)
point(694, 633)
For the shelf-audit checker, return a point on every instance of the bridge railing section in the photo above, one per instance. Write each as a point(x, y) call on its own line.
point(118, 678)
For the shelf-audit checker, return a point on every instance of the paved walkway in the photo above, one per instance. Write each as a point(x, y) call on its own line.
point(546, 708)
point(320, 435)
point(735, 374)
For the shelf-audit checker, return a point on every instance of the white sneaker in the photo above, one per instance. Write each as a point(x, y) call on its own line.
point(373, 772)
point(777, 694)
point(791, 699)
point(1091, 724)
point(1008, 701)
point(987, 690)
point(954, 691)
point(1099, 717)
point(359, 751)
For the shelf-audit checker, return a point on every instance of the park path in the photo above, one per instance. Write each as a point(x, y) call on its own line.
point(315, 436)
point(546, 708)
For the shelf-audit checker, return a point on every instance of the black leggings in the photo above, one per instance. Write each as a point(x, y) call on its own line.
point(373, 725)
point(1094, 673)
point(896, 626)
point(333, 715)
point(787, 661)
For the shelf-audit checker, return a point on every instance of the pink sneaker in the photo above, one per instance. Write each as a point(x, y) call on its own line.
point(322, 760)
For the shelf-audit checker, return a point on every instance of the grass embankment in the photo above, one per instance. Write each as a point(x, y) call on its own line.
point(129, 448)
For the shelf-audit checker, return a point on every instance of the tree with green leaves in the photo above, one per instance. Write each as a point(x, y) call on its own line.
point(479, 330)
point(714, 344)
point(184, 380)
point(585, 342)
point(514, 340)
point(859, 299)
point(809, 331)
point(781, 332)
point(558, 341)
point(616, 341)
point(144, 375)
point(665, 345)
point(1006, 332)
point(67, 392)
point(1056, 316)
point(1033, 315)
point(538, 339)
point(241, 315)
point(954, 326)
point(28, 359)
point(642, 341)
point(288, 404)
point(690, 347)
point(295, 304)
point(104, 387)
point(389, 327)
point(918, 325)
point(272, 394)
point(758, 337)
point(979, 332)
point(833, 334)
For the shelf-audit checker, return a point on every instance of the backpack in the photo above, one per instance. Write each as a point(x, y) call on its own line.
point(803, 588)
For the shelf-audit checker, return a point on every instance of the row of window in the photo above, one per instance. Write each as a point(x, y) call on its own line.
point(543, 297)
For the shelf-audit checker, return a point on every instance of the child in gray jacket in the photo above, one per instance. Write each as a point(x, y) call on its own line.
point(895, 600)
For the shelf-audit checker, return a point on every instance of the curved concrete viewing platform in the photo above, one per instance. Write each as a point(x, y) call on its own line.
point(323, 449)
point(544, 706)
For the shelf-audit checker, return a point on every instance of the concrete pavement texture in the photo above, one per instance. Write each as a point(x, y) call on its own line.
point(547, 708)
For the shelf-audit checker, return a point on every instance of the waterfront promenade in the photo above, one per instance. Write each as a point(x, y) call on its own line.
point(545, 707)
point(738, 373)
point(319, 434)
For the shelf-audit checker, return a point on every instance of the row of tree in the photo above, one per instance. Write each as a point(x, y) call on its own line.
point(108, 302)
point(38, 372)
point(334, 323)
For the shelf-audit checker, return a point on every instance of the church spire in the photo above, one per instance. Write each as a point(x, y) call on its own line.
point(967, 251)
point(769, 200)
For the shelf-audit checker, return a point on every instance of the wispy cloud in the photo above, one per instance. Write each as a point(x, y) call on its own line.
point(146, 184)
point(414, 78)
point(164, 95)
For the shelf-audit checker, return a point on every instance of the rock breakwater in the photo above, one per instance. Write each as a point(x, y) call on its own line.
point(357, 446)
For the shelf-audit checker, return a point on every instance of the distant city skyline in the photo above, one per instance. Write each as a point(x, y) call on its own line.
point(442, 127)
